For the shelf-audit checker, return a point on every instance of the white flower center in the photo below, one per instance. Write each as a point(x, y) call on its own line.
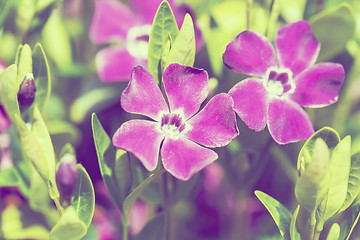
point(275, 87)
point(137, 41)
point(172, 125)
point(279, 81)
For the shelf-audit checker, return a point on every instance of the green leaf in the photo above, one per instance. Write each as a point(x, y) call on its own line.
point(69, 226)
point(164, 24)
point(39, 197)
point(313, 184)
point(82, 106)
point(25, 14)
point(117, 183)
point(4, 10)
point(183, 49)
point(339, 171)
point(42, 77)
point(84, 196)
point(279, 213)
point(22, 223)
point(24, 63)
point(8, 177)
point(292, 10)
point(67, 149)
point(339, 23)
point(334, 232)
point(9, 91)
point(294, 233)
point(353, 189)
point(154, 229)
point(329, 135)
point(55, 34)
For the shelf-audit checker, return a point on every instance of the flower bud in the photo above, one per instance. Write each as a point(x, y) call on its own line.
point(66, 177)
point(26, 94)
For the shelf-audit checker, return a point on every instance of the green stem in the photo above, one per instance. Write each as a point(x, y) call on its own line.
point(273, 16)
point(168, 204)
point(125, 224)
point(58, 206)
point(249, 4)
point(353, 226)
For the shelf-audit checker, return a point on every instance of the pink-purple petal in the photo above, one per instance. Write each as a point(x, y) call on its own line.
point(114, 64)
point(288, 122)
point(183, 158)
point(110, 22)
point(142, 138)
point(215, 125)
point(297, 46)
point(251, 102)
point(143, 96)
point(319, 85)
point(186, 88)
point(250, 53)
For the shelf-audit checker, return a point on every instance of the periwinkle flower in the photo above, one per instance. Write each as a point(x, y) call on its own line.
point(27, 90)
point(176, 129)
point(129, 28)
point(283, 83)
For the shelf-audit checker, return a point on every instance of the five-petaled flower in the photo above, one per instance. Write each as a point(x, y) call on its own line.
point(129, 27)
point(176, 130)
point(283, 82)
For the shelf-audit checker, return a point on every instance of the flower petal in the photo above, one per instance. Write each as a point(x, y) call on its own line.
point(183, 158)
point(250, 53)
point(319, 85)
point(114, 64)
point(297, 46)
point(215, 125)
point(250, 102)
point(186, 88)
point(288, 122)
point(143, 96)
point(111, 21)
point(142, 139)
point(146, 9)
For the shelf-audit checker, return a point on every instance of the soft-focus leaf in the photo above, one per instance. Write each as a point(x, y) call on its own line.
point(22, 223)
point(24, 63)
point(339, 171)
point(354, 182)
point(329, 135)
point(334, 232)
point(84, 196)
point(83, 105)
point(292, 10)
point(154, 229)
point(294, 233)
point(339, 23)
point(25, 14)
point(183, 49)
point(4, 10)
point(9, 91)
point(8, 177)
point(69, 226)
point(54, 35)
point(164, 24)
point(313, 184)
point(42, 77)
point(39, 197)
point(279, 213)
point(119, 183)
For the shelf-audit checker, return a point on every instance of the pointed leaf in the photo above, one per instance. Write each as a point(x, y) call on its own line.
point(313, 184)
point(119, 183)
point(8, 177)
point(164, 24)
point(279, 213)
point(294, 232)
point(183, 49)
point(84, 197)
point(69, 226)
point(338, 22)
point(354, 182)
point(24, 63)
point(9, 91)
point(334, 232)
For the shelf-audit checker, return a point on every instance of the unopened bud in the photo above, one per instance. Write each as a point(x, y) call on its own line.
point(66, 177)
point(26, 94)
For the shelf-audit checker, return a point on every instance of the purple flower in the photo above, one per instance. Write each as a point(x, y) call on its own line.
point(283, 82)
point(176, 129)
point(129, 27)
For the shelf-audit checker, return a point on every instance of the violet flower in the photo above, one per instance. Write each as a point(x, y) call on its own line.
point(129, 27)
point(176, 129)
point(283, 82)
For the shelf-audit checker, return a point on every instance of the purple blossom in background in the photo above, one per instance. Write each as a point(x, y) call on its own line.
point(283, 82)
point(175, 128)
point(129, 27)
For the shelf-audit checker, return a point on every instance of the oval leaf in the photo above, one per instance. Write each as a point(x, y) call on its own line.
point(9, 91)
point(334, 232)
